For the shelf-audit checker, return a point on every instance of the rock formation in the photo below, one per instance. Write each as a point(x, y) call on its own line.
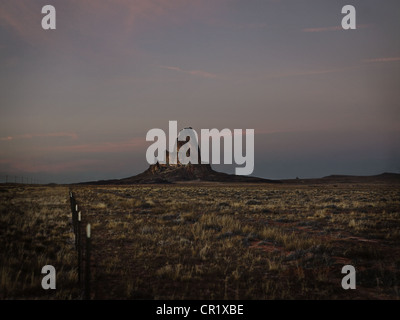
point(172, 173)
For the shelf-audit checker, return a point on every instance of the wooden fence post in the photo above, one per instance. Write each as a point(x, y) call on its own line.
point(79, 247)
point(87, 268)
point(75, 216)
point(73, 203)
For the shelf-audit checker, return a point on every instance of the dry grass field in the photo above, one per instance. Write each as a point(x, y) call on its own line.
point(204, 241)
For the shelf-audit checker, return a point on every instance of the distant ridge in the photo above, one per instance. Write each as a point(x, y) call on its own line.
point(157, 174)
point(386, 177)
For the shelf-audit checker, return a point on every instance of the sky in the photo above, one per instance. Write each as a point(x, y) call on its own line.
point(76, 102)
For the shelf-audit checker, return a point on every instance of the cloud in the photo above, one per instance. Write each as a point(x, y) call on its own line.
point(198, 73)
point(35, 166)
point(71, 135)
point(24, 16)
point(392, 59)
point(100, 147)
point(58, 158)
point(220, 23)
point(101, 32)
point(311, 72)
point(322, 29)
point(333, 28)
point(128, 12)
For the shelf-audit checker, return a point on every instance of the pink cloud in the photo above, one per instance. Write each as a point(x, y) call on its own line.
point(198, 73)
point(102, 147)
point(91, 19)
point(71, 135)
point(312, 72)
point(38, 162)
point(132, 12)
point(333, 28)
point(323, 29)
point(219, 23)
point(24, 16)
point(32, 167)
point(5, 161)
point(392, 59)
